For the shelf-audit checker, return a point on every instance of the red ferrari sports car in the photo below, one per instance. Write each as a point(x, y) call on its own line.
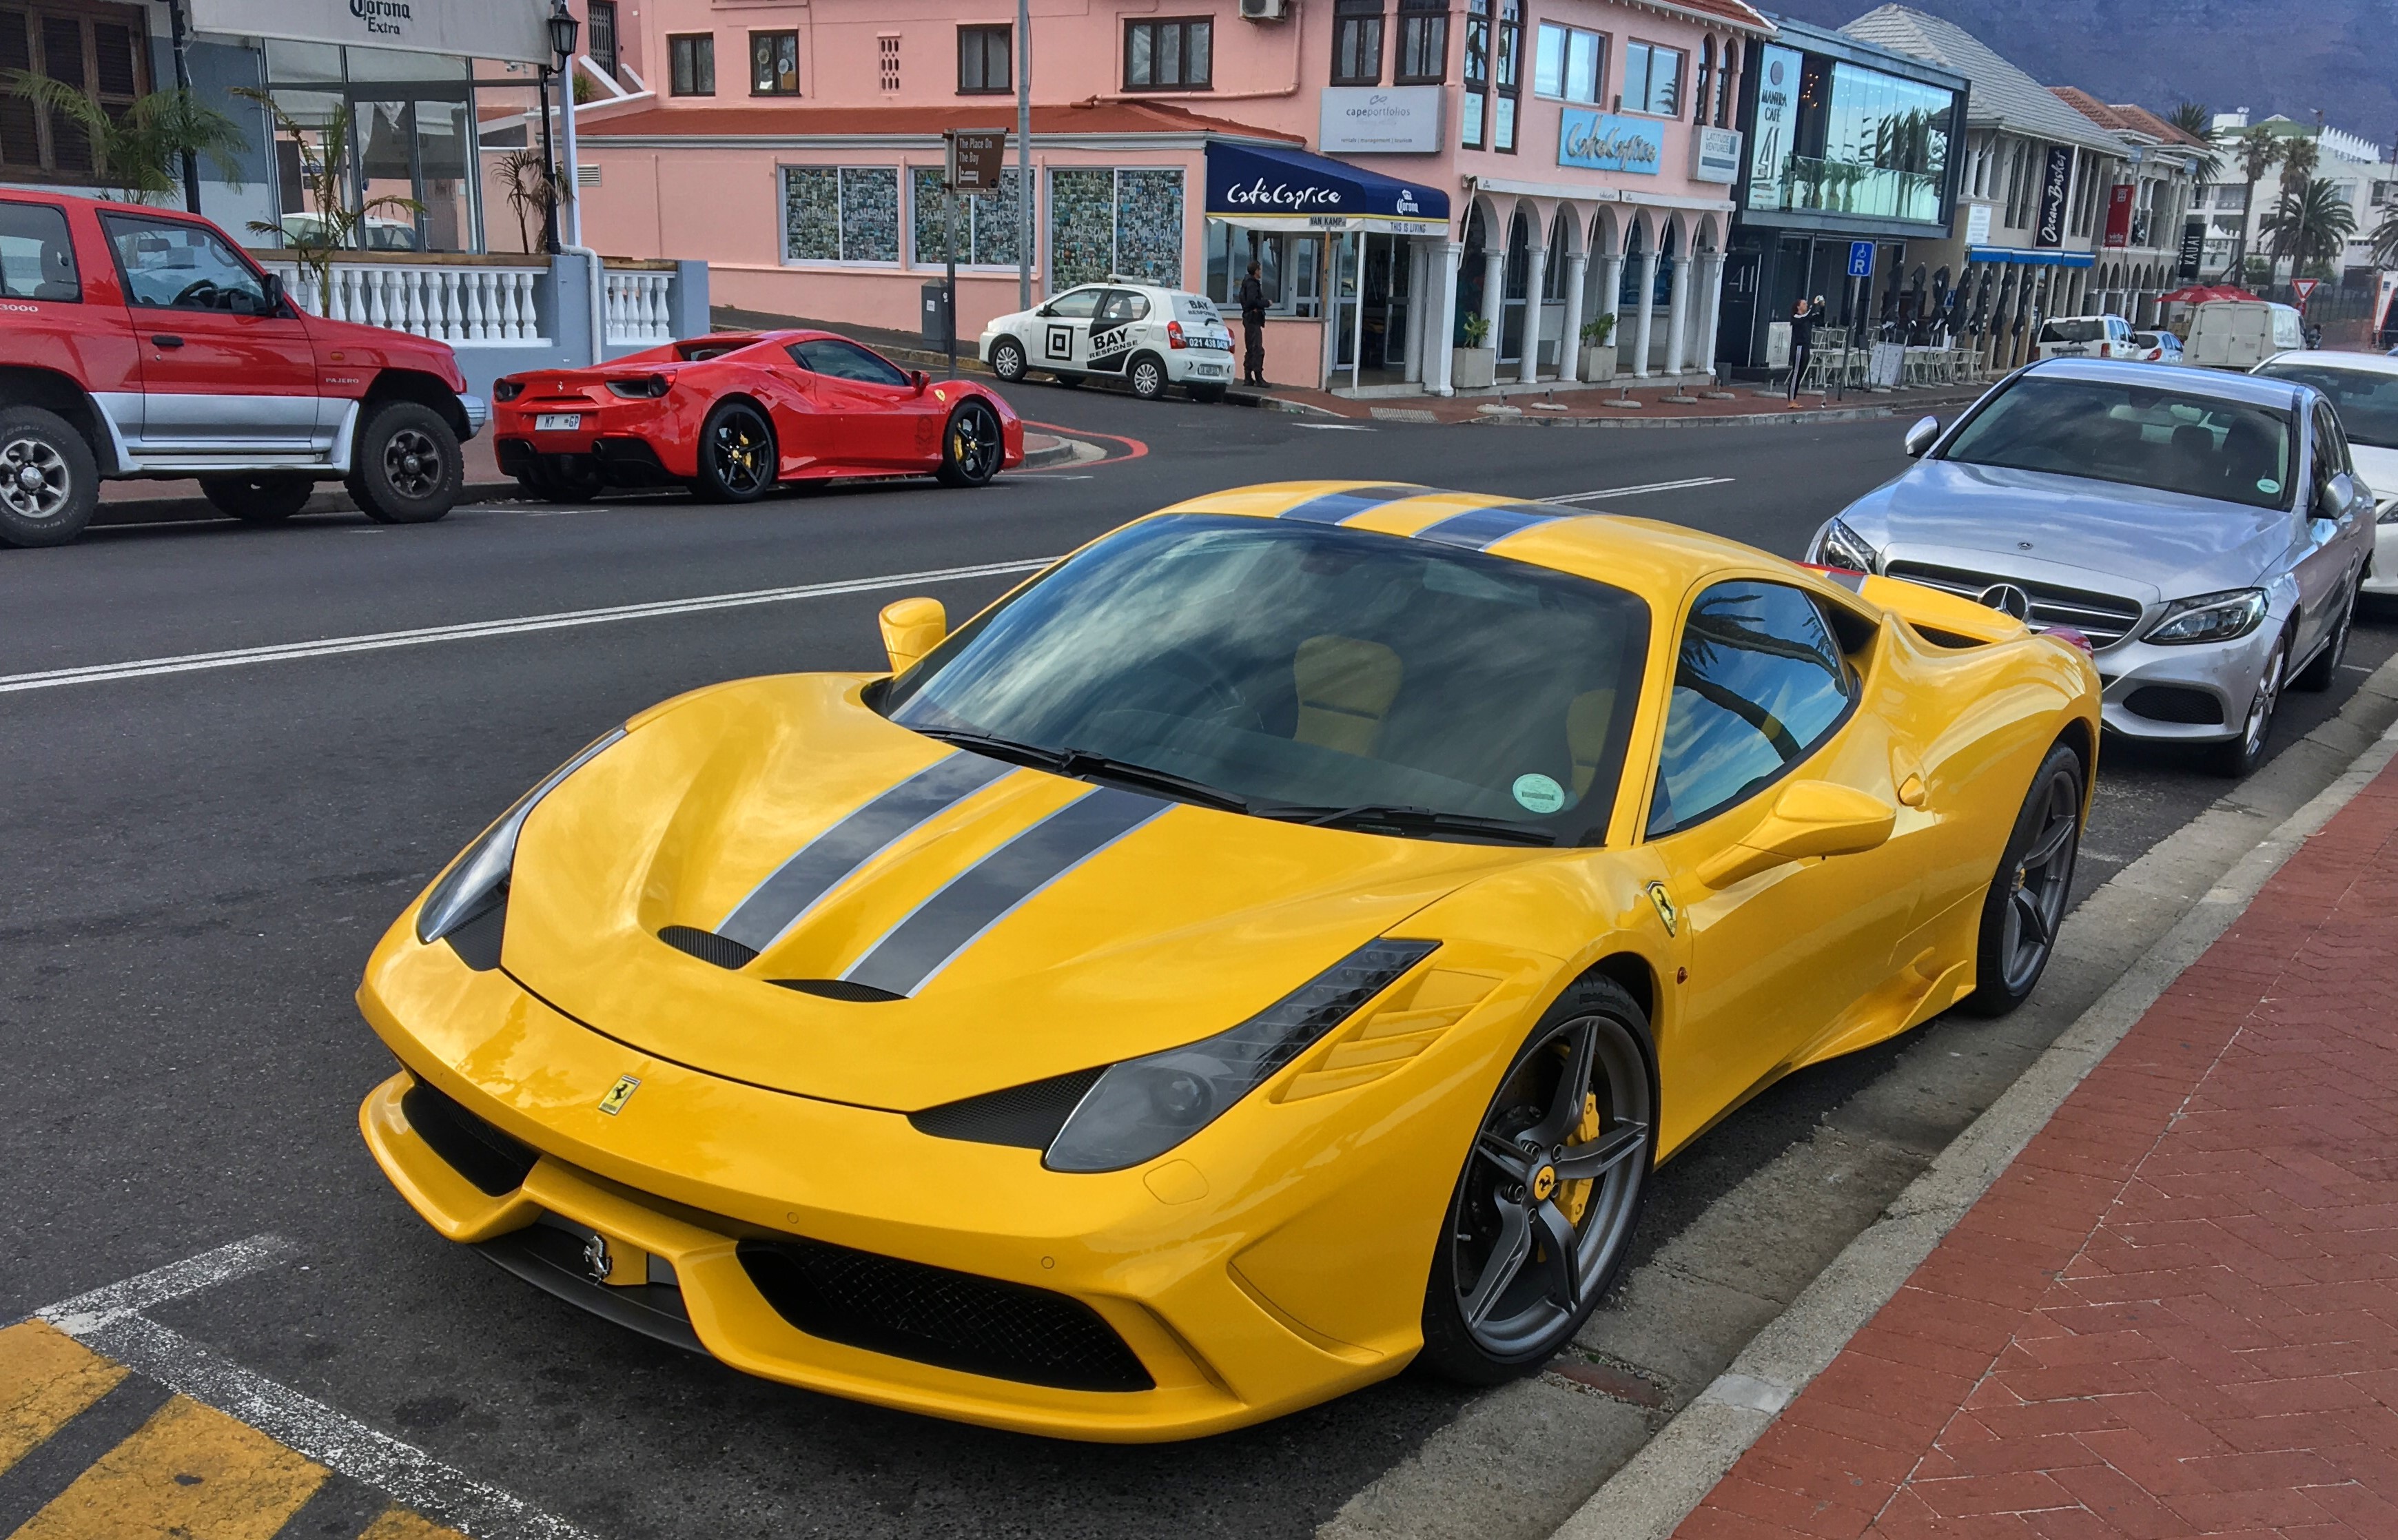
point(731, 415)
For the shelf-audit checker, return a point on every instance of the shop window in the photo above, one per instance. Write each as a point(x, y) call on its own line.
point(1174, 55)
point(1706, 79)
point(1357, 41)
point(987, 226)
point(986, 60)
point(886, 62)
point(840, 213)
point(600, 35)
point(691, 65)
point(1106, 221)
point(1289, 266)
point(95, 49)
point(1568, 64)
point(1474, 101)
point(1424, 43)
point(1652, 79)
point(774, 64)
point(1506, 74)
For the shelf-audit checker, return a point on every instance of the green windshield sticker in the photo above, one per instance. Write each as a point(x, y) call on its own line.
point(1539, 793)
point(2267, 485)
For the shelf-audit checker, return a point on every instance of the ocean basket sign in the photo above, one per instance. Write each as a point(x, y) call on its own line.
point(1602, 141)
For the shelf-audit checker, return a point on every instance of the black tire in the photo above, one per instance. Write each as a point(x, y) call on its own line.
point(1207, 395)
point(406, 468)
point(50, 484)
point(736, 455)
point(1146, 374)
point(972, 446)
point(1590, 1049)
point(2318, 674)
point(258, 499)
point(2025, 904)
point(2236, 759)
point(1007, 359)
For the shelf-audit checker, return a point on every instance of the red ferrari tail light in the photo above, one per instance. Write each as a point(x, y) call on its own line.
point(507, 390)
point(649, 388)
point(1173, 337)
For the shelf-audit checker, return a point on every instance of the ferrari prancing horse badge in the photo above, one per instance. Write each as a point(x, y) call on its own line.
point(1664, 907)
point(618, 1094)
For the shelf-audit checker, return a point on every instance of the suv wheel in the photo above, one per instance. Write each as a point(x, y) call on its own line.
point(1147, 374)
point(1007, 359)
point(258, 499)
point(49, 485)
point(405, 468)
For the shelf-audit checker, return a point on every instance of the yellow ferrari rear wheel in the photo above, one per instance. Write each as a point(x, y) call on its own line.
point(1544, 1207)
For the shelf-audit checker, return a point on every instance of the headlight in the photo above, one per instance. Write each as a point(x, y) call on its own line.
point(479, 876)
point(1144, 1107)
point(647, 388)
point(507, 390)
point(1839, 546)
point(2210, 617)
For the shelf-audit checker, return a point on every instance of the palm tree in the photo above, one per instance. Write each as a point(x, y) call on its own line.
point(2299, 158)
point(138, 153)
point(2197, 119)
point(523, 175)
point(2259, 149)
point(2385, 240)
point(324, 174)
point(2309, 225)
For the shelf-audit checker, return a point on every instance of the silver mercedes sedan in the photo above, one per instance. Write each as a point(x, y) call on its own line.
point(2204, 532)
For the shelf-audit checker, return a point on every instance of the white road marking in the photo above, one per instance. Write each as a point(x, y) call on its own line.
point(110, 1322)
point(235, 658)
point(1335, 427)
point(1635, 492)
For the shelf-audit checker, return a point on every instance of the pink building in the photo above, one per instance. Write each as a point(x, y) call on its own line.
point(1394, 165)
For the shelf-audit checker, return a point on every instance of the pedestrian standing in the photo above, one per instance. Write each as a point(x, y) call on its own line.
point(1803, 318)
point(1253, 327)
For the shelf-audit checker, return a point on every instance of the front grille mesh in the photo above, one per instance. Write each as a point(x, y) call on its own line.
point(2105, 618)
point(476, 1151)
point(707, 946)
point(931, 1315)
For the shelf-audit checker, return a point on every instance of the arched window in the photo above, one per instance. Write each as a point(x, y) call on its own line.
point(1706, 80)
point(1727, 82)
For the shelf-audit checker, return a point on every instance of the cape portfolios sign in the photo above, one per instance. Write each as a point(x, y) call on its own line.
point(1605, 143)
point(512, 30)
point(1380, 120)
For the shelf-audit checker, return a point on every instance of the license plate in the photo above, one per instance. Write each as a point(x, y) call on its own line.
point(556, 422)
point(1207, 369)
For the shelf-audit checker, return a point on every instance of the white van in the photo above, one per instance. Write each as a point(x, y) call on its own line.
point(2241, 333)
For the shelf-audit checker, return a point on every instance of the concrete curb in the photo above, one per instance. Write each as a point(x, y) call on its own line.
point(1651, 1495)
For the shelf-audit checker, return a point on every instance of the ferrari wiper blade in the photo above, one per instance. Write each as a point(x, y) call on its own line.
point(1081, 763)
point(1399, 816)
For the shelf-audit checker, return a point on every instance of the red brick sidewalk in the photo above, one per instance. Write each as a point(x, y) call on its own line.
point(2177, 1313)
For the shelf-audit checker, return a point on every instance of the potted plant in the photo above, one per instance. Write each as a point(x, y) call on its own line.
point(1476, 365)
point(1598, 348)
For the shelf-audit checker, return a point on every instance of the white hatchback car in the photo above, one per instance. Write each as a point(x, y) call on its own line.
point(1148, 336)
point(2363, 390)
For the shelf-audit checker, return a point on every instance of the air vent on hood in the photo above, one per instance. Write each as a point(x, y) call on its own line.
point(1026, 1117)
point(838, 989)
point(707, 946)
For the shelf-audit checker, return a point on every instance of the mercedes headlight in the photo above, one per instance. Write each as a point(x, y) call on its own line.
point(1143, 1107)
point(1839, 546)
point(479, 876)
point(2210, 617)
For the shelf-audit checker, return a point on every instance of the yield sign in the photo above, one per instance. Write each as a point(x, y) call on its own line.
point(2306, 288)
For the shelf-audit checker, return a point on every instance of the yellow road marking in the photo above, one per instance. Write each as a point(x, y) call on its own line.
point(400, 1524)
point(190, 1473)
point(46, 1378)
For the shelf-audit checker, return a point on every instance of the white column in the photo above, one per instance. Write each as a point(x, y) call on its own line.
point(1494, 290)
point(1418, 306)
point(1610, 297)
point(1534, 277)
point(1678, 316)
point(1647, 303)
point(1444, 322)
point(1570, 346)
point(1714, 282)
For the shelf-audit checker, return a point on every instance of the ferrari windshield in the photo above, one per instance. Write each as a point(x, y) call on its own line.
point(1310, 672)
point(2140, 435)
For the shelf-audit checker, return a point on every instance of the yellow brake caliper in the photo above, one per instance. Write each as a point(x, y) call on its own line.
point(1574, 1197)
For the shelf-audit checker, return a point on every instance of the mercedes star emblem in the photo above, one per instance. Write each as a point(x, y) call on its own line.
point(2007, 598)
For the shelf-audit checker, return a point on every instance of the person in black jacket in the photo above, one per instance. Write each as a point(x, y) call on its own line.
point(1803, 318)
point(1253, 327)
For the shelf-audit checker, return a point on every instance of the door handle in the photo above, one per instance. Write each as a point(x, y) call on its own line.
point(164, 339)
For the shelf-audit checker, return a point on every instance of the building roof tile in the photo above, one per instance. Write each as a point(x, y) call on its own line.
point(2002, 94)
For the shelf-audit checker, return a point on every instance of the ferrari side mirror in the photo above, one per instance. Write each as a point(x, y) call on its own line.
point(1810, 819)
point(910, 629)
point(1919, 437)
point(917, 378)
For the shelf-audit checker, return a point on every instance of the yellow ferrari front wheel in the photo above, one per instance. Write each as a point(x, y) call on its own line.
point(1544, 1207)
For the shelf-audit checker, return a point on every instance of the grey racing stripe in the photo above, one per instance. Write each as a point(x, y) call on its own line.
point(1853, 581)
point(777, 904)
point(1335, 507)
point(1477, 528)
point(958, 913)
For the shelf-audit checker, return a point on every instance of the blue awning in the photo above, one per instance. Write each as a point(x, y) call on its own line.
point(1291, 189)
point(2032, 258)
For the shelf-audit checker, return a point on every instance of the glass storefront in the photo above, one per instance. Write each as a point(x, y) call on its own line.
point(1863, 143)
point(386, 131)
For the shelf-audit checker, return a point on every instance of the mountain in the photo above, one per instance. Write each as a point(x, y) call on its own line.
point(2225, 53)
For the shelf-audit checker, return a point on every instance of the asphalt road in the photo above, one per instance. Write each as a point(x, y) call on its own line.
point(198, 862)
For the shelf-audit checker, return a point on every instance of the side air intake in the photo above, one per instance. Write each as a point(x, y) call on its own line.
point(707, 946)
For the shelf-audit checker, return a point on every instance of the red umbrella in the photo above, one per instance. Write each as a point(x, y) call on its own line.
point(2198, 293)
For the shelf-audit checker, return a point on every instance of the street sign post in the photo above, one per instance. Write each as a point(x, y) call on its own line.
point(2306, 289)
point(1860, 259)
point(972, 160)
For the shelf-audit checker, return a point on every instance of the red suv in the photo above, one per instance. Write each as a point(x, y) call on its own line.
point(137, 342)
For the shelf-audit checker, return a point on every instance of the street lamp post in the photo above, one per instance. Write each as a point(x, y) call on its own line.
point(548, 169)
point(563, 29)
point(1024, 191)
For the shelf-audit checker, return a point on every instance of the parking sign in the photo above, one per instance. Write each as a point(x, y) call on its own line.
point(1860, 259)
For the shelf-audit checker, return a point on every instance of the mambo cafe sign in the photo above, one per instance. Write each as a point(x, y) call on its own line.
point(1605, 143)
point(1289, 189)
point(506, 29)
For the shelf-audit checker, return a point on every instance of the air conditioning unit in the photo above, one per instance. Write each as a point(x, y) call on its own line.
point(1265, 10)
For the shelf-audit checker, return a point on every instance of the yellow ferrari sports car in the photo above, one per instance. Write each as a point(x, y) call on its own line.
point(1273, 945)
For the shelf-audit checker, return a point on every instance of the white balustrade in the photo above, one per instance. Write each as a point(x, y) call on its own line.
point(466, 304)
point(638, 311)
